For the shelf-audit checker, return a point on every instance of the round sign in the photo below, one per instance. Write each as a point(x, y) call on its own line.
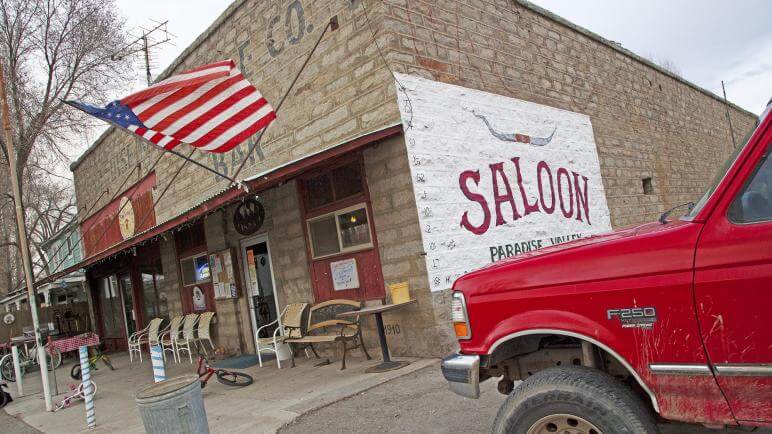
point(249, 217)
point(8, 319)
point(126, 217)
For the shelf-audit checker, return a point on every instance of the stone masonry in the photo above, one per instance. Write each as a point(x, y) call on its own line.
point(648, 124)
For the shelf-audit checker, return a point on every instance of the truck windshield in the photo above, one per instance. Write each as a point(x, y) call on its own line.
point(719, 176)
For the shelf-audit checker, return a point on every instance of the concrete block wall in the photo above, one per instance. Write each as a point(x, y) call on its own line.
point(647, 123)
point(344, 92)
point(422, 328)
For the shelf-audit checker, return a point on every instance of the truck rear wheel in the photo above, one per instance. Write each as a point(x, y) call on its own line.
point(573, 399)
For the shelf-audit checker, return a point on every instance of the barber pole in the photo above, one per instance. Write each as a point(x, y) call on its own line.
point(156, 355)
point(88, 391)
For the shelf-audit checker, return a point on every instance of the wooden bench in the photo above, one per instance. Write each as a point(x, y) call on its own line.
point(324, 327)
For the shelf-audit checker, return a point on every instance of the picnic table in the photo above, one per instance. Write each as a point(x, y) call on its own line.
point(387, 364)
point(73, 343)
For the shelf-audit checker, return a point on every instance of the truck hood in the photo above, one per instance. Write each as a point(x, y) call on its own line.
point(637, 250)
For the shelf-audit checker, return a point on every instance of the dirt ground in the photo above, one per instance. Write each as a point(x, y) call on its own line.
point(420, 403)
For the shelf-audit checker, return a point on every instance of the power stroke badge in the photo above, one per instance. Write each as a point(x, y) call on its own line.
point(634, 317)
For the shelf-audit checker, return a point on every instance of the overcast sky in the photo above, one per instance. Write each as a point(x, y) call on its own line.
point(706, 40)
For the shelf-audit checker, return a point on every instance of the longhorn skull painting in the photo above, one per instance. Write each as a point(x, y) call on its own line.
point(514, 137)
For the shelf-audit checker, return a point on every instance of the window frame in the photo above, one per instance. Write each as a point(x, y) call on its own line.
point(193, 257)
point(336, 214)
point(337, 202)
point(763, 159)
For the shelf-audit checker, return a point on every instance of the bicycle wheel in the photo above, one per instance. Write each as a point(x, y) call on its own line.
point(75, 372)
point(82, 390)
point(6, 369)
point(236, 379)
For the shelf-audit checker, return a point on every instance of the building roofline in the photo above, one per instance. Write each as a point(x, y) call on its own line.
point(233, 7)
point(619, 48)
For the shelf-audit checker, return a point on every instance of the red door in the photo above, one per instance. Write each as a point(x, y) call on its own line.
point(733, 288)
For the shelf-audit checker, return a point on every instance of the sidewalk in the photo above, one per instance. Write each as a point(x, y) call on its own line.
point(276, 398)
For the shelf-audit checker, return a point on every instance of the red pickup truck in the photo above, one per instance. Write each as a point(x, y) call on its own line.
point(670, 320)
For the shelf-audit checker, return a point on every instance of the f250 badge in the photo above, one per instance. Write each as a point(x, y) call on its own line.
point(634, 317)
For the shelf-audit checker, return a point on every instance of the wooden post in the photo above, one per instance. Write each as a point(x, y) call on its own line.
point(21, 232)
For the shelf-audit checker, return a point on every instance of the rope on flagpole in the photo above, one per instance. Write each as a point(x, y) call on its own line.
point(153, 145)
point(332, 24)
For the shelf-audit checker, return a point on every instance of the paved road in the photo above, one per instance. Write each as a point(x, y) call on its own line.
point(9, 424)
point(418, 403)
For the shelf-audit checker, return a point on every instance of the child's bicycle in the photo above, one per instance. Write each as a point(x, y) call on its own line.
point(228, 378)
point(79, 394)
point(95, 355)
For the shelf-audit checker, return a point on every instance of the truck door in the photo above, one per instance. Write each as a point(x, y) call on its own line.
point(733, 287)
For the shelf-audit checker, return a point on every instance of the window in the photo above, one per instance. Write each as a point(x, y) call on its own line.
point(195, 269)
point(341, 231)
point(337, 184)
point(754, 202)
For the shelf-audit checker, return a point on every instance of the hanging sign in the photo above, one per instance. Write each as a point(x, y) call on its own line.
point(199, 300)
point(249, 216)
point(344, 274)
point(126, 217)
point(495, 176)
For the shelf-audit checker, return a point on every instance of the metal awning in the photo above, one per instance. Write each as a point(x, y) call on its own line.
point(256, 183)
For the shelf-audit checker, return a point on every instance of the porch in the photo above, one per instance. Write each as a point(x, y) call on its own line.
point(276, 398)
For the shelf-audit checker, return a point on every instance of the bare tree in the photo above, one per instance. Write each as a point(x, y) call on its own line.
point(52, 50)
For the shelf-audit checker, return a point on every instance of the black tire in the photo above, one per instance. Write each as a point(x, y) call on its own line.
point(236, 379)
point(75, 372)
point(7, 372)
point(589, 394)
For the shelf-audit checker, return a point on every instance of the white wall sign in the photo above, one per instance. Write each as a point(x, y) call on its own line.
point(495, 176)
point(344, 274)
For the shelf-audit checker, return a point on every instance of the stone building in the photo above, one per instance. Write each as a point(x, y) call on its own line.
point(340, 174)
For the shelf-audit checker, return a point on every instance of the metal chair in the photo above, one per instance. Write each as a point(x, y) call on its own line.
point(203, 331)
point(290, 323)
point(182, 342)
point(169, 335)
point(142, 337)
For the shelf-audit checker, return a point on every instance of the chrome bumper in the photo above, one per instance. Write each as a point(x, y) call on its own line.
point(463, 374)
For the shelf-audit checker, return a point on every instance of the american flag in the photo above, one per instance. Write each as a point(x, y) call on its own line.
point(213, 108)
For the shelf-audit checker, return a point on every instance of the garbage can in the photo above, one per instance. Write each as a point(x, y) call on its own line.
point(174, 406)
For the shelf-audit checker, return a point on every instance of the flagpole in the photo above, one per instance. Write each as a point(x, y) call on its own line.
point(332, 24)
point(154, 146)
point(23, 242)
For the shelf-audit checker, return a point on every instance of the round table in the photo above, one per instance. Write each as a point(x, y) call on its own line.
point(387, 364)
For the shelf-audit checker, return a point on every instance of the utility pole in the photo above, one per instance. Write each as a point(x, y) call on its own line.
point(21, 232)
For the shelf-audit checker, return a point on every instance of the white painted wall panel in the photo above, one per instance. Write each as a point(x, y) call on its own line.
point(455, 156)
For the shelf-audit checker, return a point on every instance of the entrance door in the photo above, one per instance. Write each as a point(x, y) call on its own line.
point(127, 297)
point(111, 313)
point(259, 277)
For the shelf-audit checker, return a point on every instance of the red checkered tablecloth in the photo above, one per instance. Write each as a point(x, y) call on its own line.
point(75, 342)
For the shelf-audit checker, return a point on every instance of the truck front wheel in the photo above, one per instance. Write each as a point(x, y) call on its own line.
point(573, 399)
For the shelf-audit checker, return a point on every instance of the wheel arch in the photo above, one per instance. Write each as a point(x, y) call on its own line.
point(548, 331)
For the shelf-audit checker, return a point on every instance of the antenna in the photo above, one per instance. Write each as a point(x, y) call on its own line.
point(728, 118)
point(149, 38)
